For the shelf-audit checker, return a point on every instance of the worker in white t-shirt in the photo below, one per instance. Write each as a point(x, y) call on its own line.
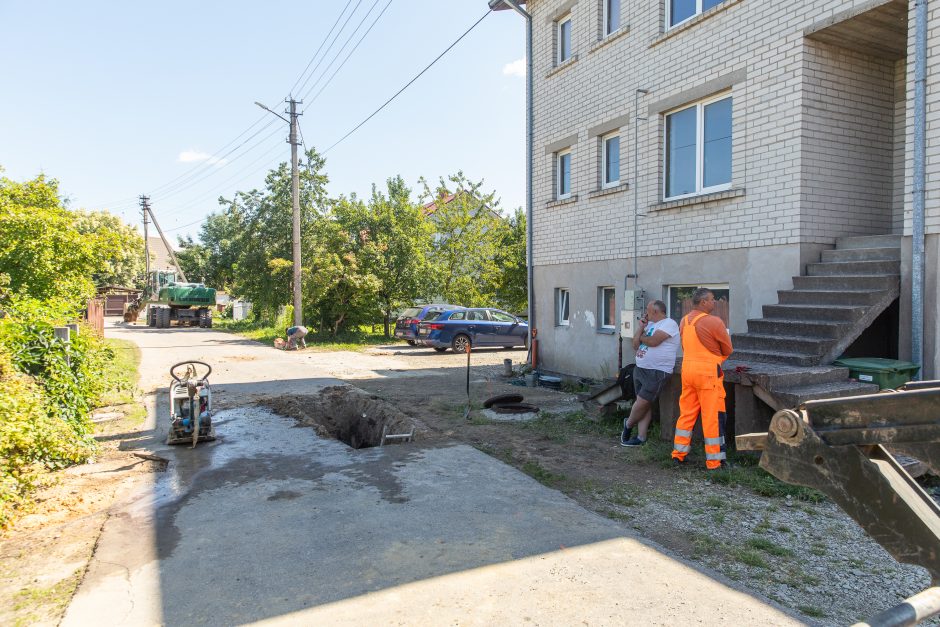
point(656, 343)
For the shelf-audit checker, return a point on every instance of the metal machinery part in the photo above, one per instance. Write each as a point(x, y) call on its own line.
point(190, 405)
point(843, 447)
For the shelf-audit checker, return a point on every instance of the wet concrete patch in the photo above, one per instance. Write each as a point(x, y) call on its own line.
point(346, 414)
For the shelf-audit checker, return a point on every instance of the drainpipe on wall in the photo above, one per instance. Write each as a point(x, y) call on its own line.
point(530, 136)
point(920, 182)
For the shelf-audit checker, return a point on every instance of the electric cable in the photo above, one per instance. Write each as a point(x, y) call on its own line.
point(309, 63)
point(408, 84)
point(338, 33)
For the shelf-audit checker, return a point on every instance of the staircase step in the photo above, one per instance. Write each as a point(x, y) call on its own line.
point(869, 241)
point(845, 282)
point(788, 343)
point(829, 297)
point(840, 313)
point(854, 268)
point(825, 329)
point(796, 396)
point(861, 254)
point(775, 357)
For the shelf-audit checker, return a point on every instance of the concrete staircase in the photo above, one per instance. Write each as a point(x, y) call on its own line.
point(787, 352)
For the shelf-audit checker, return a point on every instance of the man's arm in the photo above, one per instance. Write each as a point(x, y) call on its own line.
point(656, 339)
point(638, 334)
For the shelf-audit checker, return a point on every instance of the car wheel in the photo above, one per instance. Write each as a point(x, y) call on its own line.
point(440, 350)
point(460, 344)
point(411, 342)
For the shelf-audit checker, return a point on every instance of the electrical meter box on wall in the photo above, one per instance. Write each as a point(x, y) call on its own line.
point(634, 306)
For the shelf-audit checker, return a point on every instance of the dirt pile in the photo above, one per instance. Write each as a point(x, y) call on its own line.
point(346, 414)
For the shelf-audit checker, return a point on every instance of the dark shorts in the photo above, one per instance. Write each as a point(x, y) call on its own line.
point(649, 383)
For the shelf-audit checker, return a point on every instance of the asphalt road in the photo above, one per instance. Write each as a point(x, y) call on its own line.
point(274, 524)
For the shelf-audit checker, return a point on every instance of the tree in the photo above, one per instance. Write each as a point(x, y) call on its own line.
point(511, 281)
point(41, 249)
point(118, 246)
point(466, 231)
point(392, 240)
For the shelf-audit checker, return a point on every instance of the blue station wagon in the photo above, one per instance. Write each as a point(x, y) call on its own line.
point(406, 325)
point(476, 327)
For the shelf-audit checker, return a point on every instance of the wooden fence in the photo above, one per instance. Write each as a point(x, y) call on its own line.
point(94, 315)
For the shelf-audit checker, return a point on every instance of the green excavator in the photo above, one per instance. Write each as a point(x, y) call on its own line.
point(168, 296)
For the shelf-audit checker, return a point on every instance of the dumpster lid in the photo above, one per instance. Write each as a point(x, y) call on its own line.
point(876, 364)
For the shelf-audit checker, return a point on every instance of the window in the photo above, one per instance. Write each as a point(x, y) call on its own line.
point(607, 305)
point(457, 316)
point(610, 160)
point(698, 148)
point(680, 301)
point(682, 10)
point(502, 316)
point(611, 16)
point(562, 310)
point(563, 174)
point(564, 38)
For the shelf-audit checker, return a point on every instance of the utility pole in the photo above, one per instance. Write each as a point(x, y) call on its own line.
point(295, 202)
point(295, 198)
point(144, 208)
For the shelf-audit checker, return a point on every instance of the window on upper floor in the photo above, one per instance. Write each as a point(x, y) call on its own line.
point(611, 16)
point(562, 309)
point(563, 174)
point(607, 308)
point(610, 160)
point(698, 148)
point(563, 26)
point(678, 11)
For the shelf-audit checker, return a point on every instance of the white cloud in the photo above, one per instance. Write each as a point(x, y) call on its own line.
point(194, 156)
point(516, 68)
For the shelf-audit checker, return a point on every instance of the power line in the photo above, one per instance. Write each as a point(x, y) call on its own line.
point(338, 33)
point(364, 35)
point(407, 85)
point(321, 45)
point(340, 52)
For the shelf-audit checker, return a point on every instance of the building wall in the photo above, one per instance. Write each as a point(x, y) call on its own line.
point(847, 155)
point(820, 149)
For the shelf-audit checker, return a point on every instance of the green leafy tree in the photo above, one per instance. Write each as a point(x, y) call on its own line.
point(392, 241)
point(41, 250)
point(118, 246)
point(511, 279)
point(467, 230)
point(212, 258)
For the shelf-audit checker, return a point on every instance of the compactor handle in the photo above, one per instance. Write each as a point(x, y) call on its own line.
point(194, 364)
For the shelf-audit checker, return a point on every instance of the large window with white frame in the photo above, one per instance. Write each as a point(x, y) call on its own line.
point(562, 306)
point(563, 35)
point(563, 174)
point(607, 308)
point(611, 16)
point(698, 148)
point(679, 11)
point(610, 160)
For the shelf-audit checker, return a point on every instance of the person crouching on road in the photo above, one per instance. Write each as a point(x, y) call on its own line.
point(296, 335)
point(705, 346)
point(656, 343)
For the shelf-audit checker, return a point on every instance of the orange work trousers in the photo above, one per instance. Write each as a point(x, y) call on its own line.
point(703, 392)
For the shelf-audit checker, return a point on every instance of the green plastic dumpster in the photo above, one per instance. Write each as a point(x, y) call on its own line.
point(887, 373)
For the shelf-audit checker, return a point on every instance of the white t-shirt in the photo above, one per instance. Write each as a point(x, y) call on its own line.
point(662, 357)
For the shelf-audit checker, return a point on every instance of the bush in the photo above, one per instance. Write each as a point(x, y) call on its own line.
point(31, 440)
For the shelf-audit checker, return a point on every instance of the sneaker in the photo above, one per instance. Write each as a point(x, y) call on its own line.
point(625, 434)
point(724, 466)
point(634, 441)
point(678, 463)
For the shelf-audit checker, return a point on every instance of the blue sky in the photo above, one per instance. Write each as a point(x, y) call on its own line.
point(122, 98)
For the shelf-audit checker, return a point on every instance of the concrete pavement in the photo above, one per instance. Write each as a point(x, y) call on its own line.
point(273, 524)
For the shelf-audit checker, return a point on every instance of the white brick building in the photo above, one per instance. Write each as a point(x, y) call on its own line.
point(766, 131)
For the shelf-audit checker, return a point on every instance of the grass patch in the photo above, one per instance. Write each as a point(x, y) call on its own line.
point(560, 427)
point(702, 546)
point(542, 474)
point(811, 610)
point(769, 547)
point(749, 557)
point(719, 518)
point(818, 549)
point(351, 340)
point(621, 497)
point(121, 373)
point(615, 515)
point(30, 604)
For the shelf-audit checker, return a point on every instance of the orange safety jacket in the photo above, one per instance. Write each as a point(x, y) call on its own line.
point(701, 370)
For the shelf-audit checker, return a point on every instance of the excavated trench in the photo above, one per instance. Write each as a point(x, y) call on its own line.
point(346, 414)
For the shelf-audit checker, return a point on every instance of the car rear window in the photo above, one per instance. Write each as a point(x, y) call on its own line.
point(411, 312)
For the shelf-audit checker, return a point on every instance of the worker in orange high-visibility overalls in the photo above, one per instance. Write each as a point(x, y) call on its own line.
point(705, 345)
